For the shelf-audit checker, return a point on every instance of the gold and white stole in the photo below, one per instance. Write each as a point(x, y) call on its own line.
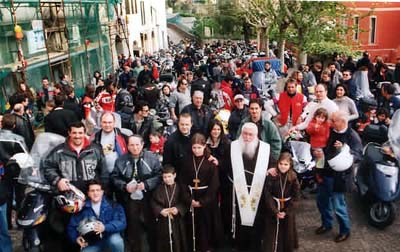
point(248, 202)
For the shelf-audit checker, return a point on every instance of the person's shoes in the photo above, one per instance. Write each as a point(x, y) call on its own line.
point(322, 230)
point(342, 237)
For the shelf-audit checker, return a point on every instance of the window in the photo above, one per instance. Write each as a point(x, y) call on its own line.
point(153, 13)
point(128, 7)
point(356, 28)
point(142, 12)
point(372, 30)
point(134, 7)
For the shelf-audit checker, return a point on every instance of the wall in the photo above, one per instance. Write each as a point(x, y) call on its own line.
point(387, 32)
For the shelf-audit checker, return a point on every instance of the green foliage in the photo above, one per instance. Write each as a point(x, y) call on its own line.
point(329, 48)
point(227, 21)
point(319, 28)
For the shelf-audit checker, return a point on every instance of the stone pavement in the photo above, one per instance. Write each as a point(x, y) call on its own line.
point(363, 236)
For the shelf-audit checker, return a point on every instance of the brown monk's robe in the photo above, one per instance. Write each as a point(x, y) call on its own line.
point(208, 225)
point(287, 235)
point(180, 201)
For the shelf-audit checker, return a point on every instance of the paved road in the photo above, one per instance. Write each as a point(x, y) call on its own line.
point(363, 237)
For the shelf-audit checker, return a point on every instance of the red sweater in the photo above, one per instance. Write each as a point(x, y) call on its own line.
point(319, 133)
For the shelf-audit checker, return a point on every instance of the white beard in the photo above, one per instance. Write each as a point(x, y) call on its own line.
point(248, 149)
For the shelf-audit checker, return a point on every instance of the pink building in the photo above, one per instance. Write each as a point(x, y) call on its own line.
point(378, 28)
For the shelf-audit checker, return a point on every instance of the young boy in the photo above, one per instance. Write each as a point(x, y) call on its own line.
point(110, 222)
point(170, 204)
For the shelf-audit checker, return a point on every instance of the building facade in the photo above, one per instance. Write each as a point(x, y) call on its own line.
point(147, 26)
point(70, 37)
point(377, 28)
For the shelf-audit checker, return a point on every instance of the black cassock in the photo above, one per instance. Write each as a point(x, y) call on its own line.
point(180, 201)
point(208, 225)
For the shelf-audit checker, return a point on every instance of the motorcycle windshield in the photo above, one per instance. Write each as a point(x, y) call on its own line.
point(394, 134)
point(31, 173)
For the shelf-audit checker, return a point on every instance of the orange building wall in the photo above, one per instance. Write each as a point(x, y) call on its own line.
point(387, 28)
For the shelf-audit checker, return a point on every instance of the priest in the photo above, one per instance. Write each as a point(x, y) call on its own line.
point(251, 162)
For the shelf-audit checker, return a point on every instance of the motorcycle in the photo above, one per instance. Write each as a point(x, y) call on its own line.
point(377, 177)
point(34, 207)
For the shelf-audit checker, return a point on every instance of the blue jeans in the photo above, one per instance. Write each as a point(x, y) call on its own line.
point(113, 243)
point(329, 201)
point(5, 239)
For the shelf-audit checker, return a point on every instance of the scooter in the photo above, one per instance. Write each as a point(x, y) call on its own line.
point(34, 207)
point(377, 177)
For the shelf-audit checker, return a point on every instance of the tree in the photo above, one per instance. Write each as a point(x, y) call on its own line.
point(257, 13)
point(227, 18)
point(315, 22)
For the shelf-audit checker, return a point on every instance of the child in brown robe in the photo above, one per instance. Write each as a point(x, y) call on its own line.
point(170, 206)
point(282, 196)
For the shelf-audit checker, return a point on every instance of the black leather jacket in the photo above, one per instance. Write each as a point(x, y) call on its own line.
point(148, 172)
point(63, 162)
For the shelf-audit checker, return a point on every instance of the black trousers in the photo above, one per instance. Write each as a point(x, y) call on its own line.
point(140, 223)
point(15, 190)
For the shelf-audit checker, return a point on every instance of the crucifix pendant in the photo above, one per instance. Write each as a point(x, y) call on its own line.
point(196, 182)
point(282, 203)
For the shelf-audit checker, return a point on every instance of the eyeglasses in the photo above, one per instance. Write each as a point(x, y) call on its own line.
point(145, 110)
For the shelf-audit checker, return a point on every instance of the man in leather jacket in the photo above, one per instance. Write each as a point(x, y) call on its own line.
point(135, 175)
point(77, 161)
point(10, 144)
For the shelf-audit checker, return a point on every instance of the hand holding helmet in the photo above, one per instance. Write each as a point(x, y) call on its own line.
point(90, 231)
point(343, 159)
point(71, 201)
point(99, 227)
point(81, 242)
point(63, 185)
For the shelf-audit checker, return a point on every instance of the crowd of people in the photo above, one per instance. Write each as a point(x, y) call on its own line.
point(210, 183)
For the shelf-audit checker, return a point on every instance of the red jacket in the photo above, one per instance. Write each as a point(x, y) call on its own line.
point(106, 101)
point(228, 95)
point(287, 103)
point(158, 147)
point(319, 134)
point(155, 72)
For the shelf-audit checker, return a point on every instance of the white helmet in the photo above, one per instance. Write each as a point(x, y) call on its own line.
point(86, 230)
point(343, 160)
point(71, 201)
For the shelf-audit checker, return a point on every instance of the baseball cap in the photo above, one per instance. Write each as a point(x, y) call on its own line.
point(238, 96)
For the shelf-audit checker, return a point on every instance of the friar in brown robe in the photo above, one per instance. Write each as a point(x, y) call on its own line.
point(287, 233)
point(204, 189)
point(171, 231)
